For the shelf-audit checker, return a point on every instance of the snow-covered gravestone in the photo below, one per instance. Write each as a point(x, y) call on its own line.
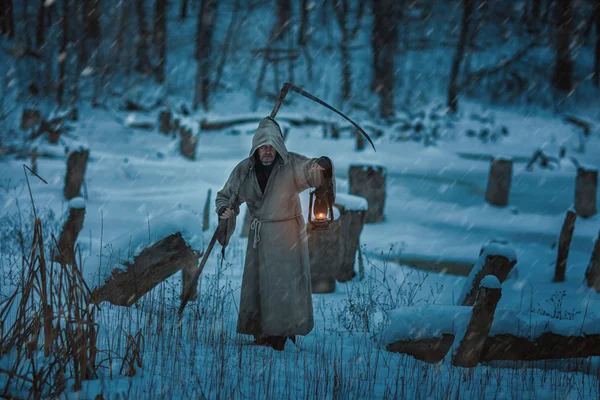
point(368, 181)
point(325, 254)
point(495, 258)
point(469, 349)
point(164, 121)
point(586, 187)
point(76, 165)
point(65, 252)
point(498, 187)
point(352, 216)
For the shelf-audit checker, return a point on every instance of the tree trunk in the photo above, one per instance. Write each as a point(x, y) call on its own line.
point(562, 77)
point(41, 27)
point(8, 19)
point(183, 10)
point(143, 61)
point(91, 28)
point(206, 23)
point(124, 10)
point(376, 44)
point(341, 11)
point(154, 264)
point(564, 243)
point(302, 39)
point(597, 60)
point(62, 56)
point(389, 32)
point(284, 19)
point(460, 52)
point(160, 29)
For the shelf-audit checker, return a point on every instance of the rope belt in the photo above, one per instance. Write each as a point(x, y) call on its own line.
point(257, 224)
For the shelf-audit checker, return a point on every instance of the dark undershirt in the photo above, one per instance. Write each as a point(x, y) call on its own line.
point(263, 172)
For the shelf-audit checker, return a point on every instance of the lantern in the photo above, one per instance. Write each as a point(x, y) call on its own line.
point(320, 212)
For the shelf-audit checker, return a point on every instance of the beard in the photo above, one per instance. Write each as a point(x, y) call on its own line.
point(266, 164)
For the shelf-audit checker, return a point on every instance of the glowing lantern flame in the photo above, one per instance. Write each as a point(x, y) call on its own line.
point(321, 216)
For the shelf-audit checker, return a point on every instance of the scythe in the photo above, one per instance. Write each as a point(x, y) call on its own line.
point(286, 88)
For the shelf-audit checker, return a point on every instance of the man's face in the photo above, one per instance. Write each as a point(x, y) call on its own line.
point(266, 154)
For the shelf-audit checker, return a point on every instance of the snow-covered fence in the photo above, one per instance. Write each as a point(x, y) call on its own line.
point(70, 231)
point(496, 259)
point(498, 187)
point(564, 243)
point(368, 181)
point(592, 273)
point(485, 333)
point(76, 164)
point(586, 187)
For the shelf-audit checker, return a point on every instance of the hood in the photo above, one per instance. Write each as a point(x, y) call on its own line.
point(269, 132)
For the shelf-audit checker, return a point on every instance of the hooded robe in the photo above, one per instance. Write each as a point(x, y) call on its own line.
point(276, 288)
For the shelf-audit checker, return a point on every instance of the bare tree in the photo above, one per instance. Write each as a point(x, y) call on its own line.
point(460, 51)
point(91, 28)
point(62, 56)
point(207, 17)
point(597, 60)
point(384, 40)
point(123, 23)
point(341, 8)
point(562, 77)
point(7, 19)
point(143, 61)
point(160, 29)
point(40, 31)
point(302, 39)
point(183, 9)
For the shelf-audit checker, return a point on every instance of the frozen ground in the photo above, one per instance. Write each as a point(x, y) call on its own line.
point(137, 182)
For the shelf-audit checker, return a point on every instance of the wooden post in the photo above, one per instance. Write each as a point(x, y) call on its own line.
point(564, 243)
point(351, 224)
point(592, 273)
point(335, 131)
point(325, 256)
point(368, 181)
point(76, 164)
point(498, 188)
point(360, 141)
point(586, 187)
point(495, 259)
point(206, 213)
point(70, 231)
point(154, 264)
point(187, 144)
point(164, 121)
point(34, 157)
point(30, 118)
point(469, 351)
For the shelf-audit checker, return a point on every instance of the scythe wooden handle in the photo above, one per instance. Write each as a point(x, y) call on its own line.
point(185, 297)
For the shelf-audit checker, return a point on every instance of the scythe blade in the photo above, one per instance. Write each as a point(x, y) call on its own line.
point(284, 91)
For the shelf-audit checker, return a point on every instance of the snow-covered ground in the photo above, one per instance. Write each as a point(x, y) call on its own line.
point(139, 189)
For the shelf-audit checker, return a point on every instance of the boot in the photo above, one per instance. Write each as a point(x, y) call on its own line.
point(277, 342)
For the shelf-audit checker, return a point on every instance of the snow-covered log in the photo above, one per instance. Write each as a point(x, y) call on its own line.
point(151, 267)
point(469, 351)
point(368, 181)
point(586, 187)
point(564, 243)
point(495, 258)
point(76, 165)
point(70, 231)
point(592, 273)
point(498, 187)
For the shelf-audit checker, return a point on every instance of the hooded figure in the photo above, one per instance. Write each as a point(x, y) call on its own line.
point(276, 292)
